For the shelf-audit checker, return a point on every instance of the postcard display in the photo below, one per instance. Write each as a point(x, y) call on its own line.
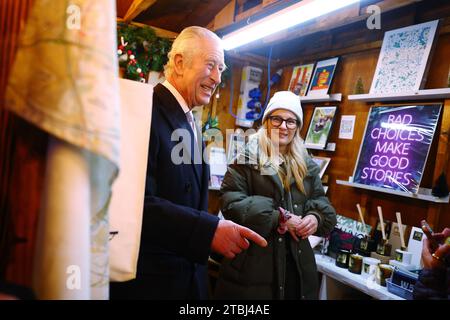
point(301, 75)
point(314, 80)
point(322, 77)
point(322, 162)
point(320, 127)
point(397, 140)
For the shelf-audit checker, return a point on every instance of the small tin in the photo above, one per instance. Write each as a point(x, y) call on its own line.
point(365, 246)
point(384, 248)
point(369, 266)
point(403, 256)
point(342, 258)
point(355, 263)
point(384, 272)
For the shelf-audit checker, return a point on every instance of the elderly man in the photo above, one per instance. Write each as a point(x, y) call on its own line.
point(178, 233)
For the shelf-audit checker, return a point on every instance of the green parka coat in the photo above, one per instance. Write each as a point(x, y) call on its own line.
point(251, 199)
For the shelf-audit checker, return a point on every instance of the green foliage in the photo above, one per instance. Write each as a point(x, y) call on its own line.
point(150, 51)
point(211, 123)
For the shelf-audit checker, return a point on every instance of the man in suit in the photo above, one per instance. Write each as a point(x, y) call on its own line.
point(178, 233)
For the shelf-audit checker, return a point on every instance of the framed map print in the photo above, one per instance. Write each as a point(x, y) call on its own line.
point(320, 127)
point(395, 146)
point(301, 75)
point(404, 59)
point(322, 162)
point(322, 77)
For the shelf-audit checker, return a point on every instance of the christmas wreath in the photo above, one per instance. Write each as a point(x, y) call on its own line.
point(140, 51)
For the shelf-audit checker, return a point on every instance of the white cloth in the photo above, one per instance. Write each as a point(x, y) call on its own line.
point(129, 188)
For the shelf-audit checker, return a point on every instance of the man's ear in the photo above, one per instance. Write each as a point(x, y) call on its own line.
point(179, 64)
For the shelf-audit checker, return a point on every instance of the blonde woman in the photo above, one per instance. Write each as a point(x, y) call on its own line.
point(274, 171)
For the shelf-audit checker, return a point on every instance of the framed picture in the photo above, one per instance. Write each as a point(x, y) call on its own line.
point(215, 181)
point(322, 77)
point(236, 142)
point(347, 127)
point(320, 127)
point(403, 59)
point(218, 166)
point(395, 146)
point(301, 76)
point(323, 163)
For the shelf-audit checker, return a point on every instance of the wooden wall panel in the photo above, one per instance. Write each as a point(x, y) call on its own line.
point(359, 49)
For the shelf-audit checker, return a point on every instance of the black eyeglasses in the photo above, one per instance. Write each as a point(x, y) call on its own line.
point(278, 121)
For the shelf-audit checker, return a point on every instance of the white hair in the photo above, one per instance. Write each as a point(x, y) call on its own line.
point(186, 44)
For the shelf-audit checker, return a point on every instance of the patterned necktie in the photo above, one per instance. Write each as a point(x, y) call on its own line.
point(191, 121)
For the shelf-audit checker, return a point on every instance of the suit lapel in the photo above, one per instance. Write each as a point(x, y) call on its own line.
point(172, 111)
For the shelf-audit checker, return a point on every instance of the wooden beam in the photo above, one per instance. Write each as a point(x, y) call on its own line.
point(257, 9)
point(225, 17)
point(249, 58)
point(331, 53)
point(352, 49)
point(136, 8)
point(340, 18)
point(158, 31)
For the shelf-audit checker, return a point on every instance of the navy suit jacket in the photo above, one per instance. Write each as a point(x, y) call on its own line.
point(177, 230)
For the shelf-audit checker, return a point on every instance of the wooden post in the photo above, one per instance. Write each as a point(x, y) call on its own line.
point(441, 165)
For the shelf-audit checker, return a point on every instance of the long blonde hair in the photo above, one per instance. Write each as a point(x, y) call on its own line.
point(294, 158)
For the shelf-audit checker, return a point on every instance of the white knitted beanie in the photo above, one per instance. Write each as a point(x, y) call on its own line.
point(286, 100)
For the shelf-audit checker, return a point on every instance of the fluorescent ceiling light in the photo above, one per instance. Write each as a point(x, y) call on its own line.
point(283, 19)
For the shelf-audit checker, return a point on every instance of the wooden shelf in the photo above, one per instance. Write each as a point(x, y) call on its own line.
point(423, 194)
point(334, 97)
point(331, 146)
point(427, 94)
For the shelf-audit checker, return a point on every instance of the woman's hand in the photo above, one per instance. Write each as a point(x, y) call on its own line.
point(292, 224)
point(432, 257)
point(307, 226)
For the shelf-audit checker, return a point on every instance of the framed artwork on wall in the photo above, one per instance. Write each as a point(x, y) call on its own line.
point(301, 76)
point(322, 77)
point(218, 166)
point(236, 142)
point(322, 162)
point(395, 146)
point(320, 127)
point(403, 59)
